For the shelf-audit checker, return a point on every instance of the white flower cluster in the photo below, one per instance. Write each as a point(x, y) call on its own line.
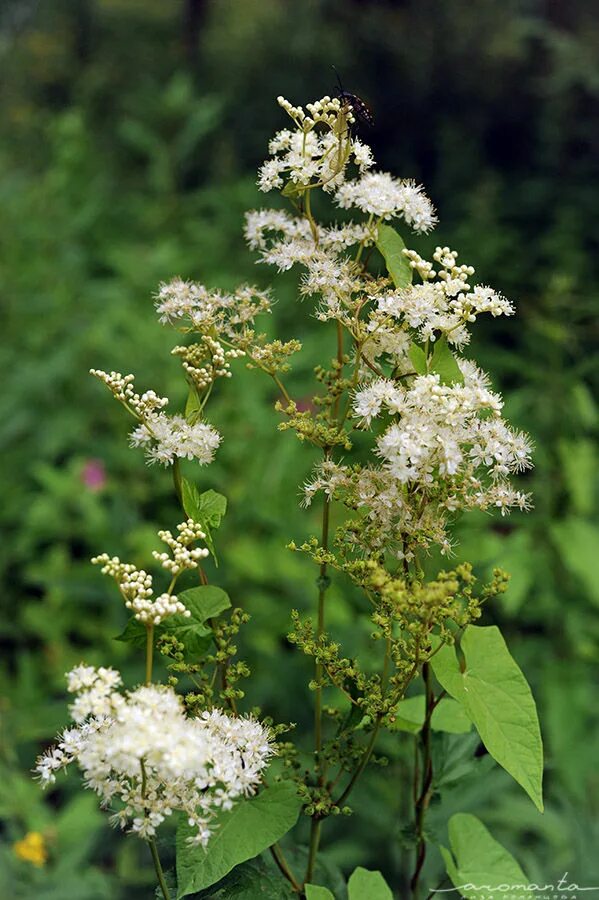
point(381, 195)
point(183, 556)
point(94, 689)
point(440, 429)
point(318, 150)
point(140, 749)
point(167, 438)
point(447, 448)
point(136, 587)
point(192, 306)
point(444, 301)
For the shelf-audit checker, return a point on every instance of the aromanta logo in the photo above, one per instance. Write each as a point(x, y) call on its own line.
point(564, 889)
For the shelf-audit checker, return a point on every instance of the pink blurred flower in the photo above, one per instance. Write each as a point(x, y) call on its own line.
point(93, 475)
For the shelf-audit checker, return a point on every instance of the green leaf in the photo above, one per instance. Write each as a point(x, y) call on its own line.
point(203, 603)
point(448, 715)
point(478, 865)
point(418, 358)
point(239, 834)
point(208, 509)
point(391, 247)
point(292, 188)
point(496, 696)
point(249, 881)
point(212, 508)
point(314, 892)
point(134, 633)
point(443, 363)
point(363, 883)
point(193, 410)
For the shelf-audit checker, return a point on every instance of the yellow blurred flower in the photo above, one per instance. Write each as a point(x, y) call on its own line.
point(32, 848)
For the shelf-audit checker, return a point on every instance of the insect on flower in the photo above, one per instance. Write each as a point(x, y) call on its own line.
point(360, 109)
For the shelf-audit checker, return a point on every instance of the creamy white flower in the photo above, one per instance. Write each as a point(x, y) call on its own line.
point(311, 155)
point(172, 437)
point(383, 196)
point(143, 752)
point(185, 303)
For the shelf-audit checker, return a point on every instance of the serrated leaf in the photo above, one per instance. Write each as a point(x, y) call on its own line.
point(203, 603)
point(417, 358)
point(444, 364)
point(496, 696)
point(448, 715)
point(212, 508)
point(363, 883)
point(315, 892)
point(239, 834)
point(478, 865)
point(207, 508)
point(391, 246)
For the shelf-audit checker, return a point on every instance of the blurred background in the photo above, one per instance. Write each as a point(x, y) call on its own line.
point(129, 140)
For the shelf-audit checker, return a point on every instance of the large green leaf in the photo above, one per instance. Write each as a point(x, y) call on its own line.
point(391, 246)
point(448, 715)
point(364, 884)
point(250, 881)
point(444, 364)
point(478, 865)
point(239, 834)
point(496, 696)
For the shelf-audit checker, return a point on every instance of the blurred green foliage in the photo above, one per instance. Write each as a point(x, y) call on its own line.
point(130, 134)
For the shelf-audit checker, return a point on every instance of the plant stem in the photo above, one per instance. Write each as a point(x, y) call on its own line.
point(314, 844)
point(424, 797)
point(283, 866)
point(362, 764)
point(149, 651)
point(158, 867)
point(323, 583)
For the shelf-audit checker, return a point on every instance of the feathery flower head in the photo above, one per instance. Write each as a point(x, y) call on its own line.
point(141, 751)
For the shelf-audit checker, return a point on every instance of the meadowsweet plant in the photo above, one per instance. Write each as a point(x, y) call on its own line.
point(411, 435)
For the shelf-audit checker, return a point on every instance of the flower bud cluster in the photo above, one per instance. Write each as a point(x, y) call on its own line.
point(121, 386)
point(183, 556)
point(164, 437)
point(136, 587)
point(207, 361)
